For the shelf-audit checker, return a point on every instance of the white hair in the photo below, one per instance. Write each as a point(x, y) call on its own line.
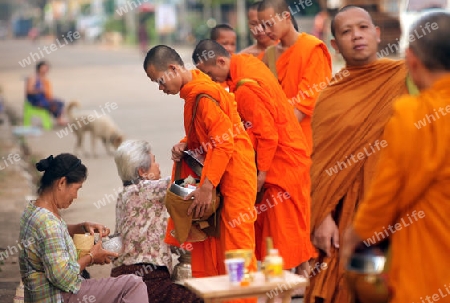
point(130, 156)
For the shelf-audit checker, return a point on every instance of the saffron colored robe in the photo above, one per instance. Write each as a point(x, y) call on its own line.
point(348, 121)
point(304, 70)
point(409, 198)
point(261, 55)
point(282, 152)
point(219, 134)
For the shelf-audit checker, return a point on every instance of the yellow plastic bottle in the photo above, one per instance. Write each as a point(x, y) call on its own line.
point(273, 265)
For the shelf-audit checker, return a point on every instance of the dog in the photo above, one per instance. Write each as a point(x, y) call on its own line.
point(100, 126)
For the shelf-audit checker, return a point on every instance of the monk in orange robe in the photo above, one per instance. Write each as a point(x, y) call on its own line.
point(302, 62)
point(408, 199)
point(347, 125)
point(262, 40)
point(225, 36)
point(219, 135)
point(282, 154)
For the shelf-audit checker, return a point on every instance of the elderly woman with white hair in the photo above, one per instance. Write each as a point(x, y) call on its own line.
point(141, 221)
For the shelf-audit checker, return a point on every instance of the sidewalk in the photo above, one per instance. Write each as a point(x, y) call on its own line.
point(16, 186)
point(94, 75)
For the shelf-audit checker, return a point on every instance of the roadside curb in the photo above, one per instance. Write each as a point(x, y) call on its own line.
point(18, 184)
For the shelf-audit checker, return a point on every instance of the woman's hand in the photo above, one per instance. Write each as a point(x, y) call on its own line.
point(96, 227)
point(102, 256)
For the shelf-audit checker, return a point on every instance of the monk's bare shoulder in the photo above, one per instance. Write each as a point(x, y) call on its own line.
point(251, 50)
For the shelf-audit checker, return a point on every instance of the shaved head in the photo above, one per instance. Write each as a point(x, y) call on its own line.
point(161, 56)
point(343, 9)
point(215, 32)
point(432, 44)
point(278, 6)
point(254, 6)
point(207, 51)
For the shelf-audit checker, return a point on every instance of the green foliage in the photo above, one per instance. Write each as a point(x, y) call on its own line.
point(85, 9)
point(115, 25)
point(150, 23)
point(109, 6)
point(217, 2)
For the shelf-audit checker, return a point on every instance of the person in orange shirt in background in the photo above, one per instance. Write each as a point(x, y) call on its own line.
point(302, 62)
point(410, 203)
point(282, 154)
point(262, 40)
point(225, 36)
point(219, 135)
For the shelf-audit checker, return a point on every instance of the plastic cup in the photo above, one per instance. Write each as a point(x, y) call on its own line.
point(235, 268)
point(113, 244)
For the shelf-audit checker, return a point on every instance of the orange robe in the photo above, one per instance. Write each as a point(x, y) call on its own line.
point(304, 70)
point(224, 85)
point(261, 55)
point(348, 120)
point(230, 160)
point(409, 198)
point(281, 151)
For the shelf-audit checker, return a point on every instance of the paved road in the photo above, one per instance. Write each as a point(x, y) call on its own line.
point(97, 76)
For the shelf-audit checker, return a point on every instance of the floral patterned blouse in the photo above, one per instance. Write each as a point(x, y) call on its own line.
point(141, 221)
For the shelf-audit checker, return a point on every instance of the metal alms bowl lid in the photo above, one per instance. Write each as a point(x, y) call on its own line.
point(366, 263)
point(195, 162)
point(179, 190)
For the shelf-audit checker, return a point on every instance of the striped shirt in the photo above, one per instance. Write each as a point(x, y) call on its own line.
point(48, 260)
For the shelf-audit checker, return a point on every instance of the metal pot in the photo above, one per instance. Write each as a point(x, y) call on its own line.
point(182, 270)
point(366, 277)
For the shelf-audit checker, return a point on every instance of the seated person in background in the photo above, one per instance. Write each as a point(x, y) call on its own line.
point(39, 93)
point(48, 262)
point(141, 221)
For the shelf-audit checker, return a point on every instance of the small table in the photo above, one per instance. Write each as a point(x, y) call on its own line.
point(218, 288)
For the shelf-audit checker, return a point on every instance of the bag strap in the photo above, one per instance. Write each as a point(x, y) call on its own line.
point(245, 80)
point(271, 52)
point(194, 113)
point(178, 170)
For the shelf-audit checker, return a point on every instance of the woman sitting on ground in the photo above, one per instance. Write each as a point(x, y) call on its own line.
point(141, 221)
point(49, 267)
point(39, 93)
